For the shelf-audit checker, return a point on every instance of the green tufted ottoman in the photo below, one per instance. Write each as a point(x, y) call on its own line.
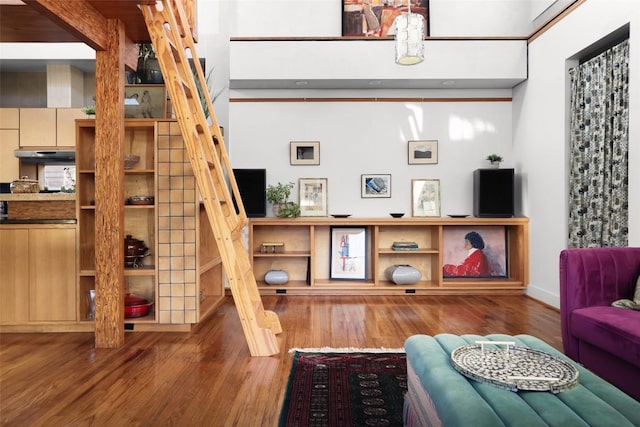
point(440, 396)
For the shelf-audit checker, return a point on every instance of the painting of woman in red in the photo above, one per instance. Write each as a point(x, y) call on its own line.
point(475, 264)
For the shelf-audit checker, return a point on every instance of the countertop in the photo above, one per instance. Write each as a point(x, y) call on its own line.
point(37, 197)
point(37, 221)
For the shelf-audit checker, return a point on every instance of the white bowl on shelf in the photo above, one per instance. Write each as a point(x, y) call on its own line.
point(276, 277)
point(403, 274)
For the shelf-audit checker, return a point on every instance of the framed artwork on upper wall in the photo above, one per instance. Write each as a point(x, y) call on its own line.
point(375, 18)
point(423, 152)
point(145, 101)
point(313, 196)
point(425, 197)
point(304, 153)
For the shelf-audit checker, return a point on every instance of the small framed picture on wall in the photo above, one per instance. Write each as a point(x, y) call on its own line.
point(375, 186)
point(313, 196)
point(304, 153)
point(425, 197)
point(423, 152)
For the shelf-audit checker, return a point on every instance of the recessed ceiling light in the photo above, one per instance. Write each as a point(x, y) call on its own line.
point(448, 83)
point(301, 83)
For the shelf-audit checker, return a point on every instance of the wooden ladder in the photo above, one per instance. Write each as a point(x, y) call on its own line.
point(174, 45)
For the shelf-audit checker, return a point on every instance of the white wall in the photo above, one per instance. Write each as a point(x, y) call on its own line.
point(213, 45)
point(371, 138)
point(540, 132)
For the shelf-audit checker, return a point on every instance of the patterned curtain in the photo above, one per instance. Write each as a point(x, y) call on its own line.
point(599, 143)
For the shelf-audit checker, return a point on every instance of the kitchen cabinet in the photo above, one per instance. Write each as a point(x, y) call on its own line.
point(66, 125)
point(9, 118)
point(52, 272)
point(9, 141)
point(183, 273)
point(48, 127)
point(37, 127)
point(14, 289)
point(38, 268)
point(307, 247)
point(10, 165)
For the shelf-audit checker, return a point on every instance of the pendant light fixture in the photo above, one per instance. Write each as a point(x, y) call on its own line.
point(409, 38)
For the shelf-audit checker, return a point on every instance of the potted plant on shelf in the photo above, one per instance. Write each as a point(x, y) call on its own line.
point(89, 110)
point(495, 160)
point(278, 195)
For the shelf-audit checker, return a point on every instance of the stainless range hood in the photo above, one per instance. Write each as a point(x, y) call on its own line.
point(62, 156)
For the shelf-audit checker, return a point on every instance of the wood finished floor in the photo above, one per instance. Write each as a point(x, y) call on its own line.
point(208, 378)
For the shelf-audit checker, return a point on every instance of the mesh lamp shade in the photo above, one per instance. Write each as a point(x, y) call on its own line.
point(409, 39)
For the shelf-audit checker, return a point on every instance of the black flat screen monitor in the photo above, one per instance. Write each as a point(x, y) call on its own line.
point(252, 184)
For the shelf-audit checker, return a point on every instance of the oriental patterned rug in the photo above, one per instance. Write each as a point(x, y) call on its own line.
point(341, 389)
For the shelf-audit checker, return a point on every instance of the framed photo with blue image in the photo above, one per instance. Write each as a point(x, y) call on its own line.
point(375, 185)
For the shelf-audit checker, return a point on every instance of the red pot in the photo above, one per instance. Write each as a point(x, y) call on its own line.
point(138, 310)
point(135, 306)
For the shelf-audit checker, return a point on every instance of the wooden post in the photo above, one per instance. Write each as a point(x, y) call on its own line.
point(109, 191)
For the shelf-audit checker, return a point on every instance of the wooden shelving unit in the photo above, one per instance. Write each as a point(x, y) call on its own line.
point(140, 221)
point(183, 274)
point(306, 255)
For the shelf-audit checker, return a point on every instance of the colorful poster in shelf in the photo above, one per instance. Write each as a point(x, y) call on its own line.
point(348, 253)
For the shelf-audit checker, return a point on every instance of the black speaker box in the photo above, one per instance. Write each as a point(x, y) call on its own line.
point(493, 193)
point(252, 184)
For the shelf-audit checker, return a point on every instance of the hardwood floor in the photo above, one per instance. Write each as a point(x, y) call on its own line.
point(208, 378)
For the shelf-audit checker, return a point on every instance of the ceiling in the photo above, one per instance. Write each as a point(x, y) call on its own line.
point(28, 21)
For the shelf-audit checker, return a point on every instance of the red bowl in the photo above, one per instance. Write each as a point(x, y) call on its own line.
point(138, 310)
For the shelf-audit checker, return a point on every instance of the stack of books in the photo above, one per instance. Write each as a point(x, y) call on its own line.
point(404, 246)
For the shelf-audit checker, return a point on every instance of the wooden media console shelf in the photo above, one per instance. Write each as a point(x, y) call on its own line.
point(309, 253)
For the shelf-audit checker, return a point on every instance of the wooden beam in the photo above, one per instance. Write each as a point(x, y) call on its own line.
point(109, 189)
point(131, 50)
point(78, 17)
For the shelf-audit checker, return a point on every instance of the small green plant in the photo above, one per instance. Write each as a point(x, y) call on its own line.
point(89, 109)
point(278, 195)
point(494, 158)
point(289, 210)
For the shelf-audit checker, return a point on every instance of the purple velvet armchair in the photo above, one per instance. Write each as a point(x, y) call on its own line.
point(604, 339)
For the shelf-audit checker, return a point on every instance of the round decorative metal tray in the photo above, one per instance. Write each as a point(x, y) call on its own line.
point(514, 368)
